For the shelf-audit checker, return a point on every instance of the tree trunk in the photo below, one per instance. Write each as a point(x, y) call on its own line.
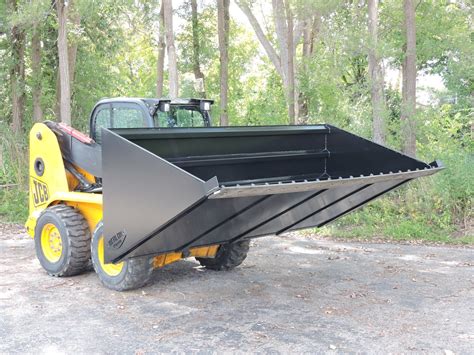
point(71, 56)
point(375, 76)
point(75, 19)
point(269, 50)
point(64, 76)
point(284, 60)
point(172, 61)
point(36, 74)
point(223, 33)
point(161, 56)
point(198, 74)
point(284, 30)
point(311, 30)
point(409, 80)
point(281, 30)
point(290, 67)
point(307, 51)
point(17, 71)
point(57, 106)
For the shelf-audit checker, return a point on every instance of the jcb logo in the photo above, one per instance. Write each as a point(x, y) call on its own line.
point(40, 192)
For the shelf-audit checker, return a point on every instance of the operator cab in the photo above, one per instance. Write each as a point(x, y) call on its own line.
point(149, 113)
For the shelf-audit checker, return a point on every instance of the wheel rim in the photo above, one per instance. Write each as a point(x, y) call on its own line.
point(109, 269)
point(51, 243)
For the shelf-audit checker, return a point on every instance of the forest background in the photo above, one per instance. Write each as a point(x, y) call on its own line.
point(400, 72)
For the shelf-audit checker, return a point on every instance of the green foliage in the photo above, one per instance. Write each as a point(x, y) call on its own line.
point(242, 49)
point(267, 103)
point(13, 176)
point(13, 158)
point(14, 205)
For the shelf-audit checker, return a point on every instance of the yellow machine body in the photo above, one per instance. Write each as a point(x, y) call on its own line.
point(53, 184)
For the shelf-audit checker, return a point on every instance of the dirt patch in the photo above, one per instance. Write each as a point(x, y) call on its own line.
point(12, 231)
point(292, 294)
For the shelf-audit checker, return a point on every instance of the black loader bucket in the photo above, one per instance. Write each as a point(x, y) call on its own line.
point(168, 190)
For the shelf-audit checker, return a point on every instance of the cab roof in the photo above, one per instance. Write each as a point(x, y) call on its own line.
point(154, 101)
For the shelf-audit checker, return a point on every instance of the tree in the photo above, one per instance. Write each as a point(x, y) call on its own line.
point(310, 31)
point(36, 73)
point(172, 61)
point(161, 54)
point(290, 49)
point(17, 70)
point(63, 55)
point(223, 33)
point(408, 109)
point(72, 18)
point(198, 74)
point(375, 75)
point(288, 35)
point(75, 20)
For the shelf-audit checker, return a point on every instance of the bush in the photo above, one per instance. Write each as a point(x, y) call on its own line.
point(13, 176)
point(14, 205)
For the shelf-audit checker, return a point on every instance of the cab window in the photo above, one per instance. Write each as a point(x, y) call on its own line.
point(118, 115)
point(179, 117)
point(127, 116)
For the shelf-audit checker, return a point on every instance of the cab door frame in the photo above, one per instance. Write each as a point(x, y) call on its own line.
point(110, 104)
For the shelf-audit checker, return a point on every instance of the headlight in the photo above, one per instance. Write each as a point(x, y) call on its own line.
point(165, 107)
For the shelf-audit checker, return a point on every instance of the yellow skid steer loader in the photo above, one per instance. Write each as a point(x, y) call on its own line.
point(154, 183)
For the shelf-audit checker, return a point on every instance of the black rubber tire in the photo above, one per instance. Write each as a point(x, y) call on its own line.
point(136, 272)
point(228, 256)
point(75, 239)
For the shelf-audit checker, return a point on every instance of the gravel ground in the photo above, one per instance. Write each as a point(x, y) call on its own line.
point(293, 294)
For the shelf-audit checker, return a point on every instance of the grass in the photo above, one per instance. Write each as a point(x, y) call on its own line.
point(406, 232)
point(13, 175)
point(13, 205)
point(369, 225)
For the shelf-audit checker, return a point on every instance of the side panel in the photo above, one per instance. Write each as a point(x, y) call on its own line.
point(49, 175)
point(142, 193)
point(48, 181)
